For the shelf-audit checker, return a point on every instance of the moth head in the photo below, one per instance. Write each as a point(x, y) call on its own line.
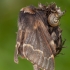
point(54, 16)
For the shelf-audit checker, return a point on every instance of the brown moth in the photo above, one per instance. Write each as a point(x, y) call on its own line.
point(39, 37)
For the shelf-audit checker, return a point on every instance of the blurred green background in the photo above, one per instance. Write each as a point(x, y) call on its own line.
point(9, 10)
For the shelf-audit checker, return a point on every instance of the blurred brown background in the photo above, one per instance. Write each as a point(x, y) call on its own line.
point(9, 10)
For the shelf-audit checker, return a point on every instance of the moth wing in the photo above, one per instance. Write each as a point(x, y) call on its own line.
point(23, 24)
point(32, 42)
point(45, 32)
point(20, 36)
point(37, 49)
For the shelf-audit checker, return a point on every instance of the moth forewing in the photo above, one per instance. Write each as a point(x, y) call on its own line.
point(49, 40)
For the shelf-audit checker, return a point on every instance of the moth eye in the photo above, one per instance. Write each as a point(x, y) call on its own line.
point(53, 19)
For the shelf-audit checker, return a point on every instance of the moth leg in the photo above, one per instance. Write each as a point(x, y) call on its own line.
point(36, 67)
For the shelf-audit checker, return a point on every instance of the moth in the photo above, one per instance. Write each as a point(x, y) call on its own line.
point(39, 37)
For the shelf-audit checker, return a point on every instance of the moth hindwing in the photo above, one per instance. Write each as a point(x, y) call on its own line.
point(39, 35)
